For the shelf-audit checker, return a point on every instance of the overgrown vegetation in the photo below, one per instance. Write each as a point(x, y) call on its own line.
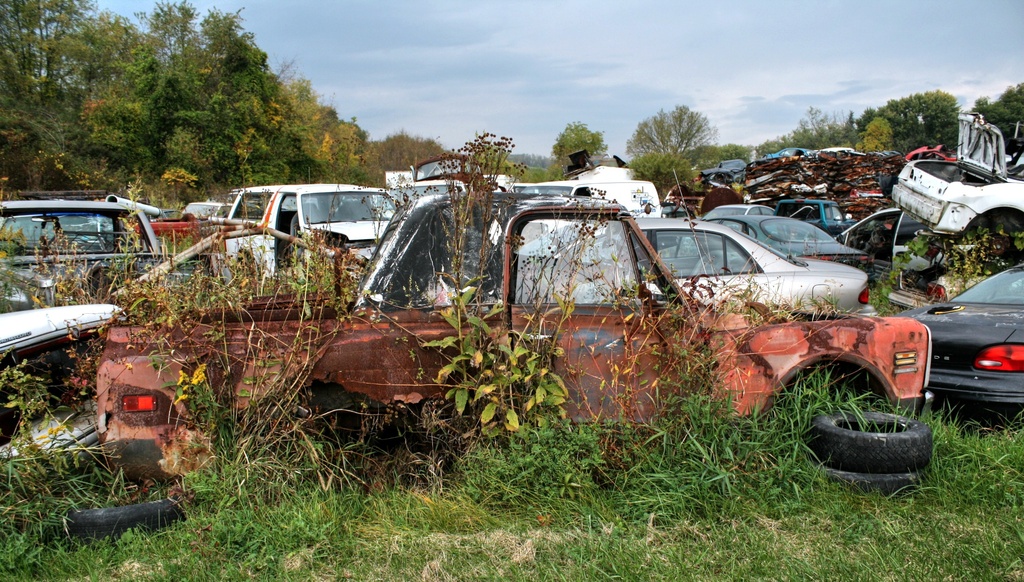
point(695, 494)
point(961, 261)
point(508, 488)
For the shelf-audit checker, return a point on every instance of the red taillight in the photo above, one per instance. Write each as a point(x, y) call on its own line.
point(936, 292)
point(138, 403)
point(864, 297)
point(1004, 358)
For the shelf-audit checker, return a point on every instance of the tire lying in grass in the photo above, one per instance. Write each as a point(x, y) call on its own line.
point(871, 442)
point(884, 483)
point(113, 521)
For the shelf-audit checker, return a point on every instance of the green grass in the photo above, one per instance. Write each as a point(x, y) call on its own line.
point(695, 495)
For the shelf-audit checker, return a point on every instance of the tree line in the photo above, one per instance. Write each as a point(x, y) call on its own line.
point(184, 106)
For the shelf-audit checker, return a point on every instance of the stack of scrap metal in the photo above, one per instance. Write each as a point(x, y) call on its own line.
point(860, 183)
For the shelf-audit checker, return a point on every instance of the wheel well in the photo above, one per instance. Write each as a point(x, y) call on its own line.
point(1011, 219)
point(840, 375)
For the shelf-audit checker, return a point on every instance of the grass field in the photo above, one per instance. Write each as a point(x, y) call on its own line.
point(696, 495)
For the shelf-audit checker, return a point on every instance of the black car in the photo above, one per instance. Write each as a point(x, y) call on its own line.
point(978, 344)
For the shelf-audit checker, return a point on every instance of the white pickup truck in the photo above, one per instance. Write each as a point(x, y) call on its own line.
point(984, 187)
point(350, 216)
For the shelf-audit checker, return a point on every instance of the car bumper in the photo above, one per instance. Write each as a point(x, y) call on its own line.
point(975, 386)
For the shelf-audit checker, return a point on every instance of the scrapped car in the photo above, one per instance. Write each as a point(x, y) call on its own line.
point(981, 189)
point(824, 214)
point(737, 209)
point(939, 152)
point(884, 236)
point(45, 339)
point(725, 173)
point(43, 240)
point(206, 209)
point(574, 274)
point(348, 216)
point(730, 264)
point(438, 175)
point(789, 153)
point(639, 197)
point(978, 344)
point(796, 238)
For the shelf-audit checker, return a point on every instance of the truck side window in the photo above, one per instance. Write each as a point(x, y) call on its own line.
point(587, 262)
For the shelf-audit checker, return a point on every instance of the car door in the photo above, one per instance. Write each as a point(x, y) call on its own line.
point(575, 292)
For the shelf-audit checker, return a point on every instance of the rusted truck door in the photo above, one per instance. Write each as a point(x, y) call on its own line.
point(573, 290)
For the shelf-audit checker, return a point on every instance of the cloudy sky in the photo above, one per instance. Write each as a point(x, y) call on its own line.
point(449, 69)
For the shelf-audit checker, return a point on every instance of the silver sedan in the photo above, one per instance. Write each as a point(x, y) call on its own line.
point(717, 264)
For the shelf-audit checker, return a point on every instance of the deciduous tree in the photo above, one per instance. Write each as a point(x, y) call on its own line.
point(677, 132)
point(575, 137)
point(876, 137)
point(920, 119)
point(663, 170)
point(1005, 111)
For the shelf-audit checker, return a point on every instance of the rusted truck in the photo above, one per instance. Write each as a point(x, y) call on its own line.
point(577, 274)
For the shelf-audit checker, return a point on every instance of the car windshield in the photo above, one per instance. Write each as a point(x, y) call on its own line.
point(203, 209)
point(724, 211)
point(789, 230)
point(1006, 288)
point(324, 207)
point(542, 189)
point(66, 232)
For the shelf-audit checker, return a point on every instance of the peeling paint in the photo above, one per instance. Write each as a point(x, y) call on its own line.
point(375, 357)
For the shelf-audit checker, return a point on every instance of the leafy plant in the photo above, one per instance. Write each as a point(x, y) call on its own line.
point(498, 373)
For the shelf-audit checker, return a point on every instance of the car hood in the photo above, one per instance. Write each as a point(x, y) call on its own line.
point(1001, 323)
point(830, 268)
point(981, 146)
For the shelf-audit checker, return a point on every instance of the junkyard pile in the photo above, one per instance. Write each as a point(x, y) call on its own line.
point(856, 181)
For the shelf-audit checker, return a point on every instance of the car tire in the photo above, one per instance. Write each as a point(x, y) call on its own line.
point(113, 521)
point(871, 442)
point(884, 483)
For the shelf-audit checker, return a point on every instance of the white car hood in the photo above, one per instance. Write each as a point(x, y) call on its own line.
point(981, 146)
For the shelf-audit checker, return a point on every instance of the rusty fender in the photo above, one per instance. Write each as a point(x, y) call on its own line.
point(755, 363)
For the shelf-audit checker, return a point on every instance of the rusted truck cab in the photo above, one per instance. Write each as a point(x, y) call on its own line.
point(577, 274)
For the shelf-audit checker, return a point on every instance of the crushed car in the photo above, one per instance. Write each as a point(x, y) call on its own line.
point(982, 188)
point(725, 173)
point(575, 277)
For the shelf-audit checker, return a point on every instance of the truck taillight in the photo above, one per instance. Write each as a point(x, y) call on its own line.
point(865, 296)
point(138, 403)
point(1003, 358)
